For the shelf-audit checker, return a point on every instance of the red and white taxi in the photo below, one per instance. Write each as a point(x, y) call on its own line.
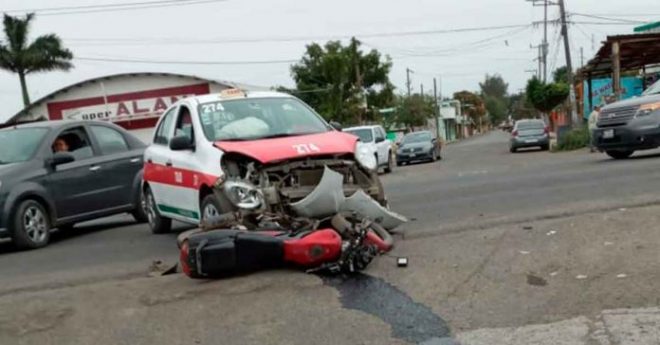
point(215, 154)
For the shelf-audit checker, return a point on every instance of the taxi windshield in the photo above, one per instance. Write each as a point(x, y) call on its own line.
point(258, 118)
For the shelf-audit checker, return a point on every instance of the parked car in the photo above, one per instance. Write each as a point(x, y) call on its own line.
point(627, 126)
point(55, 174)
point(418, 146)
point(375, 138)
point(529, 133)
point(252, 151)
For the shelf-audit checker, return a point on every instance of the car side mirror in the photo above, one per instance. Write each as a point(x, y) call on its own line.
point(380, 139)
point(60, 158)
point(181, 143)
point(336, 125)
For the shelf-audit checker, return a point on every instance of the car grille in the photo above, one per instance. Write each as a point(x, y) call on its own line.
point(417, 149)
point(616, 116)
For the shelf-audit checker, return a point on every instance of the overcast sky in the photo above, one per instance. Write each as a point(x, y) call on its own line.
point(460, 59)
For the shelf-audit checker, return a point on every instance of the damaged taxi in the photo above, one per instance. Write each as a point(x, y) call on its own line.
point(257, 160)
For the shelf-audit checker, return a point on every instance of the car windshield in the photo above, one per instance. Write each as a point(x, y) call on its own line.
point(653, 89)
point(258, 118)
point(18, 145)
point(531, 125)
point(416, 138)
point(365, 134)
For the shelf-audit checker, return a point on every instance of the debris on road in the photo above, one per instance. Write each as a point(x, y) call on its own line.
point(536, 280)
point(528, 227)
point(159, 268)
point(402, 262)
point(581, 277)
point(552, 274)
point(523, 252)
point(621, 276)
point(551, 232)
point(608, 243)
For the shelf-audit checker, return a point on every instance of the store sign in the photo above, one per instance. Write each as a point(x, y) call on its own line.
point(602, 91)
point(123, 110)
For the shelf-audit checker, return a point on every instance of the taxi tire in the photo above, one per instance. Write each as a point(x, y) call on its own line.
point(158, 224)
point(211, 199)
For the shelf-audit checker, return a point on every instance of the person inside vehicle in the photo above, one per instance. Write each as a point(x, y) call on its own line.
point(60, 145)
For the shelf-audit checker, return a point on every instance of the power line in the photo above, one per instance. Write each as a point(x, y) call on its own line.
point(306, 38)
point(183, 62)
point(126, 6)
point(608, 18)
point(449, 51)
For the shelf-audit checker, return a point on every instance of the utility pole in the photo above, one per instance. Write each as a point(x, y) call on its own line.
point(569, 64)
point(408, 80)
point(421, 87)
point(436, 110)
point(545, 40)
point(539, 58)
point(581, 57)
point(543, 55)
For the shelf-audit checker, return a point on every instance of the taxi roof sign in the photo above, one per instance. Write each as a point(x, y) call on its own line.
point(232, 93)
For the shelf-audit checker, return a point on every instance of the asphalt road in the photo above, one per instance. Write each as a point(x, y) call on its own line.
point(477, 182)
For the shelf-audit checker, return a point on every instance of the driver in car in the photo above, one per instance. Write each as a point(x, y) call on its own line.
point(60, 145)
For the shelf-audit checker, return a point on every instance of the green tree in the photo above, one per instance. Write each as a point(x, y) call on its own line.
point(520, 106)
point(414, 111)
point(494, 86)
point(342, 82)
point(546, 97)
point(560, 75)
point(19, 56)
point(497, 109)
point(472, 104)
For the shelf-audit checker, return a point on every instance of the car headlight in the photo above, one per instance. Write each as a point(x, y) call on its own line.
point(647, 109)
point(243, 195)
point(365, 156)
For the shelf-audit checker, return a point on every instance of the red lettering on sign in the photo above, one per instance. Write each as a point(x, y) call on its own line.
point(122, 109)
point(137, 110)
point(160, 105)
point(173, 99)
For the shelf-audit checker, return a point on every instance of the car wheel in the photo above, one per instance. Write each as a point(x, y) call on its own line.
point(140, 213)
point(390, 163)
point(210, 208)
point(434, 156)
point(31, 228)
point(157, 223)
point(619, 154)
point(512, 149)
point(545, 147)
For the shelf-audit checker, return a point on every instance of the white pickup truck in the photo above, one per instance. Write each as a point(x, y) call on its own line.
point(375, 138)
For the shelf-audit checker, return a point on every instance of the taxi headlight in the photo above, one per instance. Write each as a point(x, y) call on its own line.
point(365, 156)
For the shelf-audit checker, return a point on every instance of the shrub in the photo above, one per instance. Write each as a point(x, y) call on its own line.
point(575, 139)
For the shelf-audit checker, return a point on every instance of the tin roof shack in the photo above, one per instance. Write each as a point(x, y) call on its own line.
point(618, 55)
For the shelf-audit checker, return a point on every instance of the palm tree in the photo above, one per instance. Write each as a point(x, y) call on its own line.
point(44, 54)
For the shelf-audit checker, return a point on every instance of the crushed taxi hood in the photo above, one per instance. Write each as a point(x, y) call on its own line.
point(279, 149)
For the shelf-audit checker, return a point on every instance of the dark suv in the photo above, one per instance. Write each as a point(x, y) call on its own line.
point(55, 174)
point(630, 125)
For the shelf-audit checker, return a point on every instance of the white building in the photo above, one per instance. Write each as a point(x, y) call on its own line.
point(132, 100)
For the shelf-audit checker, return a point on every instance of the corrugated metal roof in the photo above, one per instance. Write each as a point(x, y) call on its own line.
point(636, 51)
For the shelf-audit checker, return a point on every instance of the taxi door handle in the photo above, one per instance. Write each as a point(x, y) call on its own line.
point(135, 160)
point(168, 163)
point(95, 168)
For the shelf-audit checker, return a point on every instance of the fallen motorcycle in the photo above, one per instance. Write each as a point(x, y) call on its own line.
point(324, 231)
point(348, 246)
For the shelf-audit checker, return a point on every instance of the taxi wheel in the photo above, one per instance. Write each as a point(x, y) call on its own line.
point(210, 207)
point(157, 223)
